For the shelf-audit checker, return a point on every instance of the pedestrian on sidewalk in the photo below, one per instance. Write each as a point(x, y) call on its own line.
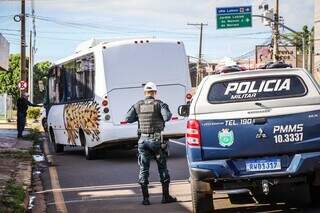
point(22, 107)
point(151, 115)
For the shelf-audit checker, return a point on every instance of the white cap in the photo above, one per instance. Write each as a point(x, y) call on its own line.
point(150, 87)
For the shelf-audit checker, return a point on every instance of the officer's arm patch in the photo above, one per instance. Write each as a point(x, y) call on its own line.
point(147, 108)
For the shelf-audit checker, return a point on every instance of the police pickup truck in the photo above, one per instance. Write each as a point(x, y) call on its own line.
point(254, 131)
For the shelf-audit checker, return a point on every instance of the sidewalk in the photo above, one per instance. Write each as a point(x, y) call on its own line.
point(15, 169)
point(4, 124)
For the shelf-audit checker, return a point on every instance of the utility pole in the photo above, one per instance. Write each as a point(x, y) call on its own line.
point(310, 54)
point(30, 76)
point(276, 33)
point(24, 74)
point(199, 67)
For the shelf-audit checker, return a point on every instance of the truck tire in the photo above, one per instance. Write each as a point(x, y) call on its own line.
point(58, 148)
point(202, 200)
point(315, 195)
point(90, 153)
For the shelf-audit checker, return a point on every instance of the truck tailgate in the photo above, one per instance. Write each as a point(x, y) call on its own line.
point(276, 135)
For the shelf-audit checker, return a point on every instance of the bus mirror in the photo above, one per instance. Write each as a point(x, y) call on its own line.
point(184, 110)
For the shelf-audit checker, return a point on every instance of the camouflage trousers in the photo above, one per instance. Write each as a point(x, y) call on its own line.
point(150, 148)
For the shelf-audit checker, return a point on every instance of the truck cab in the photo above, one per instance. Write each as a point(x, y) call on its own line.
point(254, 131)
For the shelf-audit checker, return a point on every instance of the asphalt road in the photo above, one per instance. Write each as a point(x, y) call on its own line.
point(109, 185)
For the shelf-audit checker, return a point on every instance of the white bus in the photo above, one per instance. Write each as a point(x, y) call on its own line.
point(91, 91)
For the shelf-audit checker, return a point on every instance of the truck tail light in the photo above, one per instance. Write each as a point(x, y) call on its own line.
point(193, 133)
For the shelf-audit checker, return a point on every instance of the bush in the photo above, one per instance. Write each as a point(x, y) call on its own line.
point(13, 198)
point(34, 113)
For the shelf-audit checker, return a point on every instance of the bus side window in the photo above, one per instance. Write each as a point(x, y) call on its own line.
point(55, 86)
point(72, 81)
point(89, 76)
point(84, 77)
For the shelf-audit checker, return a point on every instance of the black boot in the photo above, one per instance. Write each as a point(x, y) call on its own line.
point(145, 194)
point(166, 197)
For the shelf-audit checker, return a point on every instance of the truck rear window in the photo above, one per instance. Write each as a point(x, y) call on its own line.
point(259, 88)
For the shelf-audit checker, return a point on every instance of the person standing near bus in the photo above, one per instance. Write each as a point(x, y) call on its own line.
point(22, 107)
point(151, 115)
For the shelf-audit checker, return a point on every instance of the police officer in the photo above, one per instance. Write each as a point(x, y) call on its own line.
point(22, 107)
point(151, 115)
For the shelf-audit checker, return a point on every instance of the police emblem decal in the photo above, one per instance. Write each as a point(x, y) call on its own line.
point(226, 137)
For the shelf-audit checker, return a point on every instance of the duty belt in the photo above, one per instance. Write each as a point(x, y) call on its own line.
point(156, 134)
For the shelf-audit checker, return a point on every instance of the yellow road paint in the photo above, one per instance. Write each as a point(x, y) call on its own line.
point(55, 185)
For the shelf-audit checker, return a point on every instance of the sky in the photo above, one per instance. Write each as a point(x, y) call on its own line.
point(62, 24)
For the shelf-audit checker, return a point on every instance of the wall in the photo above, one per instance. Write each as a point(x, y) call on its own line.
point(316, 71)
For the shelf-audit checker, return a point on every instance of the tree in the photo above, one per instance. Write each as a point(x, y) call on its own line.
point(40, 73)
point(9, 80)
point(296, 39)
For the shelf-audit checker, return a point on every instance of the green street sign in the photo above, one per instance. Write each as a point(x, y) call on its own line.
point(234, 17)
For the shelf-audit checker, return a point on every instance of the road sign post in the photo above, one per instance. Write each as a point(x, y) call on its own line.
point(23, 85)
point(234, 17)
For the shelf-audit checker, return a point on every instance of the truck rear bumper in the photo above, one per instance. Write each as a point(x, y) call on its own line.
point(229, 170)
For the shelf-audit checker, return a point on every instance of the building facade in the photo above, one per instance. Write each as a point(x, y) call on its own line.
point(316, 70)
point(4, 53)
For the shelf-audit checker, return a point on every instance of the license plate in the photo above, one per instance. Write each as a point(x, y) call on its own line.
point(263, 165)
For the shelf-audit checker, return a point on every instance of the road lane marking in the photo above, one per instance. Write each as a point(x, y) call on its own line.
point(106, 193)
point(177, 142)
point(106, 187)
point(57, 193)
point(185, 196)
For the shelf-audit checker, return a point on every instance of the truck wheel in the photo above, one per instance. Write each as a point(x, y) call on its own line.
point(89, 152)
point(202, 200)
point(58, 148)
point(315, 194)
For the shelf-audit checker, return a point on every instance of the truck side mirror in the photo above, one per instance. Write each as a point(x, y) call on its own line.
point(184, 110)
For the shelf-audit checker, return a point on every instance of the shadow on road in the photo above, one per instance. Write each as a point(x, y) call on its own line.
point(246, 203)
point(175, 152)
point(267, 208)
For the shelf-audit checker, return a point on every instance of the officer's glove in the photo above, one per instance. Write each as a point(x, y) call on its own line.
point(164, 144)
point(165, 106)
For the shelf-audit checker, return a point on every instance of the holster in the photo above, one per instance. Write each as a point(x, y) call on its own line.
point(164, 143)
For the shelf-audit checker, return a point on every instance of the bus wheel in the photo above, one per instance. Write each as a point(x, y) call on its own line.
point(57, 147)
point(89, 152)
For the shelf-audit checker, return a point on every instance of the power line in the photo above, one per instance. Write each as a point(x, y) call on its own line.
point(251, 52)
point(200, 73)
point(13, 30)
point(79, 25)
